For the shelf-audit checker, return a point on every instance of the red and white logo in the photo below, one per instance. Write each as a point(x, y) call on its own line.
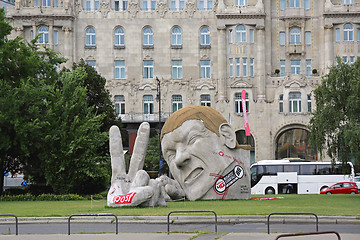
point(124, 199)
point(220, 185)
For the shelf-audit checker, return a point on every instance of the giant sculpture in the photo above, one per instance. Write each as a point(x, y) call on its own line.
point(203, 155)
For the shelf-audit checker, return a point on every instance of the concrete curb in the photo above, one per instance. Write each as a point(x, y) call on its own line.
point(192, 219)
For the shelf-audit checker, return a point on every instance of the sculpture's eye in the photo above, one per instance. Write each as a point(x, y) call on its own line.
point(193, 139)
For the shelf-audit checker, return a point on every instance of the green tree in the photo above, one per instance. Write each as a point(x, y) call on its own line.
point(25, 73)
point(152, 158)
point(335, 125)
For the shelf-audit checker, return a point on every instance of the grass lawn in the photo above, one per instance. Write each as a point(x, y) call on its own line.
point(322, 205)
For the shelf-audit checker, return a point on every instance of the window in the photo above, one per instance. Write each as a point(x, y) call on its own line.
point(205, 70)
point(282, 4)
point(295, 3)
point(205, 100)
point(241, 2)
point(307, 38)
point(204, 36)
point(309, 103)
point(176, 69)
point(230, 36)
point(295, 67)
point(240, 33)
point(148, 5)
point(307, 4)
point(245, 67)
point(119, 69)
point(282, 38)
point(352, 60)
point(46, 3)
point(176, 36)
point(358, 34)
point(252, 71)
point(348, 32)
point(149, 69)
point(119, 104)
point(295, 36)
point(148, 104)
point(148, 37)
point(90, 37)
point(91, 63)
point(347, 1)
point(337, 34)
point(91, 5)
point(238, 105)
point(231, 67)
point(237, 60)
point(282, 68)
point(205, 5)
point(120, 5)
point(345, 59)
point(56, 3)
point(251, 35)
point(281, 103)
point(177, 5)
point(308, 67)
point(176, 102)
point(43, 35)
point(294, 102)
point(56, 38)
point(119, 37)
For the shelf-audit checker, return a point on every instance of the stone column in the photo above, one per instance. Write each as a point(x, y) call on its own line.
point(34, 31)
point(51, 36)
point(222, 63)
point(260, 61)
point(329, 48)
point(68, 45)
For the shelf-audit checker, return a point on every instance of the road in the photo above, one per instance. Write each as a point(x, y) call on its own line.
point(62, 228)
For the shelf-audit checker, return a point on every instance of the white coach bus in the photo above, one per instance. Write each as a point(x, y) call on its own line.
point(297, 176)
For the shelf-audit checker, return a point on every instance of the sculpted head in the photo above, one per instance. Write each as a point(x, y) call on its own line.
point(198, 144)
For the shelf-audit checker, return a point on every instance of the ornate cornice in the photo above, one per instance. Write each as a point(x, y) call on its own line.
point(240, 16)
point(341, 14)
point(53, 17)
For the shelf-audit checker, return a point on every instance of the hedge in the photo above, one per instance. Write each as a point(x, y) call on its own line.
point(42, 197)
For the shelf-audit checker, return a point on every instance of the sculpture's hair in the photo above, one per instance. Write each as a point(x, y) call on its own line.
point(211, 119)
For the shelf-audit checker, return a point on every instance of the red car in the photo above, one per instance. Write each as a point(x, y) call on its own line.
point(341, 188)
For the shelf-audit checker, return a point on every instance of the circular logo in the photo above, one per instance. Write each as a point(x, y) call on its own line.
point(220, 185)
point(239, 172)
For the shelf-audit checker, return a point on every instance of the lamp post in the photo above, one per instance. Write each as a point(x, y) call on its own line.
point(158, 97)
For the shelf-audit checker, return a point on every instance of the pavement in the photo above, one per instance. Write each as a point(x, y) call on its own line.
point(186, 219)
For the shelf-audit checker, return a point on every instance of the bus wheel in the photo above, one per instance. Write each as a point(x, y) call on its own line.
point(270, 190)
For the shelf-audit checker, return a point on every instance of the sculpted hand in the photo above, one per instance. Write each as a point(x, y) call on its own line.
point(171, 189)
point(134, 188)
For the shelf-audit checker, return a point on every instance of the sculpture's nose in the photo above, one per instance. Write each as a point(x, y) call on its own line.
point(182, 158)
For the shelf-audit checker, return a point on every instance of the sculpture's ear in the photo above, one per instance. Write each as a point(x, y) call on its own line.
point(228, 135)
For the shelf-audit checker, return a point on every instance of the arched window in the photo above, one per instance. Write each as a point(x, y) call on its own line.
point(205, 36)
point(176, 36)
point(294, 143)
point(295, 36)
point(240, 33)
point(242, 139)
point(348, 32)
point(148, 37)
point(90, 37)
point(119, 37)
point(43, 35)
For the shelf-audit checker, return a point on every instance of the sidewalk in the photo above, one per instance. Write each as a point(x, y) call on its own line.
point(176, 236)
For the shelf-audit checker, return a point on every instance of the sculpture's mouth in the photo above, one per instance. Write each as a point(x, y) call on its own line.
point(193, 175)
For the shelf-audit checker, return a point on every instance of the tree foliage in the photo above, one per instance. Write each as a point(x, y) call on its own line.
point(335, 125)
point(152, 158)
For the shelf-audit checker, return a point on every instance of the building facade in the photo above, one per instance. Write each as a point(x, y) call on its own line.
point(205, 52)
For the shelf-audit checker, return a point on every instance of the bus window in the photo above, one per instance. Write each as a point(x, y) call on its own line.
point(273, 169)
point(341, 169)
point(308, 169)
point(256, 174)
point(292, 168)
point(324, 169)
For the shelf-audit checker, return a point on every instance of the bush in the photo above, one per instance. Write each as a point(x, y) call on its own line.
point(42, 197)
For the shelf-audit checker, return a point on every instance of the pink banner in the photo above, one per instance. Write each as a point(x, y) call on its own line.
point(246, 124)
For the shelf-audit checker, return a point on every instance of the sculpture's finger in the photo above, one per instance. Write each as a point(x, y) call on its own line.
point(139, 151)
point(117, 154)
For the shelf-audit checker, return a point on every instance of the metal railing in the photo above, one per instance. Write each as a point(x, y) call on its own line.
point(16, 221)
point(308, 233)
point(290, 213)
point(94, 215)
point(191, 211)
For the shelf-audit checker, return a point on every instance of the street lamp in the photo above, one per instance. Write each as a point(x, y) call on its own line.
point(158, 97)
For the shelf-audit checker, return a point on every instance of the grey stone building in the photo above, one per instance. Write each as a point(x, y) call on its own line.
point(205, 52)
